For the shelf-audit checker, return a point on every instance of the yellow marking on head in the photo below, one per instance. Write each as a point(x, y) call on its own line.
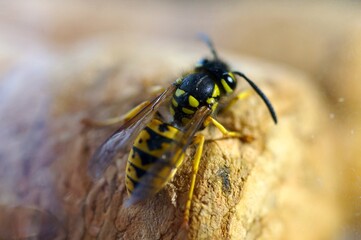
point(211, 100)
point(193, 101)
point(174, 102)
point(187, 111)
point(171, 110)
point(232, 75)
point(179, 92)
point(226, 86)
point(216, 91)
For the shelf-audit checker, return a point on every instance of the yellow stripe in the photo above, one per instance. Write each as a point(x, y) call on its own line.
point(174, 102)
point(129, 184)
point(179, 92)
point(216, 91)
point(210, 100)
point(136, 161)
point(169, 133)
point(214, 107)
point(185, 120)
point(131, 171)
point(193, 101)
point(141, 143)
point(187, 111)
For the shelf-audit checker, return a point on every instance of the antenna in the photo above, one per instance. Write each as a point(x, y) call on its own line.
point(261, 94)
point(204, 37)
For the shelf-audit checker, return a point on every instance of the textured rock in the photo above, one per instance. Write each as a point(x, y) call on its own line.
point(283, 183)
point(270, 187)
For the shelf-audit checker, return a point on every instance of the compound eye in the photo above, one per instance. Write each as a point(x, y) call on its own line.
point(229, 82)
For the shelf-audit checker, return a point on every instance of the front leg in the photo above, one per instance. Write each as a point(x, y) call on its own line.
point(226, 133)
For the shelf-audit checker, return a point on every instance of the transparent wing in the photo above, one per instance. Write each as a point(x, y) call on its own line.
point(120, 141)
point(166, 164)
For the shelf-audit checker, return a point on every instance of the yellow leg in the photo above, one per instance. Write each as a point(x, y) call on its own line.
point(115, 120)
point(240, 96)
point(221, 128)
point(199, 139)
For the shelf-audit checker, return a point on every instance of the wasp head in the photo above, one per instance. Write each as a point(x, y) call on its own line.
point(220, 71)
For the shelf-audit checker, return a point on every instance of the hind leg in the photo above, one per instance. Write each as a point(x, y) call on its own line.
point(199, 140)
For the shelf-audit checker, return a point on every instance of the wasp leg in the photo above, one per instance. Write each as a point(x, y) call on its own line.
point(199, 139)
point(227, 133)
point(221, 128)
point(115, 120)
point(242, 95)
point(154, 91)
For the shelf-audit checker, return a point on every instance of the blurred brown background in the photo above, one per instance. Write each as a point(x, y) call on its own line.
point(44, 45)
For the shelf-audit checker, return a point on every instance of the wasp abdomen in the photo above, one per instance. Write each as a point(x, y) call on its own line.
point(152, 142)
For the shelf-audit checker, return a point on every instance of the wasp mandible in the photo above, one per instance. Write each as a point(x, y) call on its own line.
point(156, 145)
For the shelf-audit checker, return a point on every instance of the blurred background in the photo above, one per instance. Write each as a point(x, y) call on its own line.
point(44, 45)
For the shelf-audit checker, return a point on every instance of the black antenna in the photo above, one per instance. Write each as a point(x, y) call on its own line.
point(207, 40)
point(261, 94)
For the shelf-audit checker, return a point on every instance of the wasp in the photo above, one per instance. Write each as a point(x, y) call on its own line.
point(155, 144)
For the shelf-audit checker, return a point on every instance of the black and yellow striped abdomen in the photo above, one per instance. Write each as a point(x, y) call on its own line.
point(152, 142)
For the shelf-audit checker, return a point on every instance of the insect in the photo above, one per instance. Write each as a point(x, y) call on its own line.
point(156, 145)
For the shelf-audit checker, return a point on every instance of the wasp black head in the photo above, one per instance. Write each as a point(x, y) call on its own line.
point(225, 77)
point(220, 72)
point(217, 68)
point(214, 66)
